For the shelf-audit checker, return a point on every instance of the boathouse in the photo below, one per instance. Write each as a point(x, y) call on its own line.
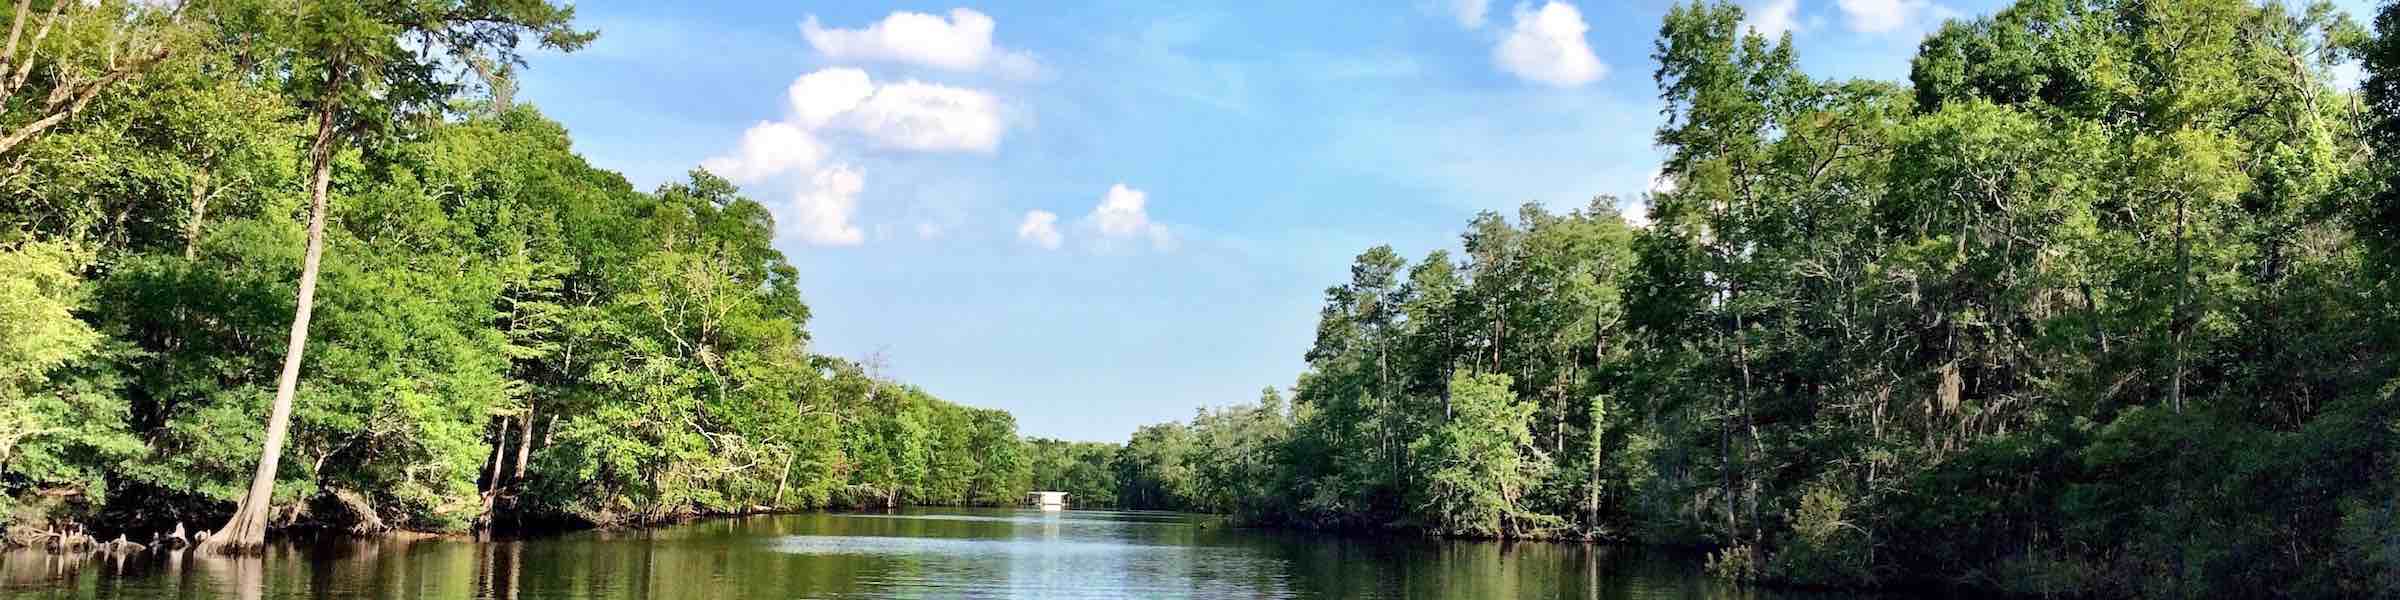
point(1047, 500)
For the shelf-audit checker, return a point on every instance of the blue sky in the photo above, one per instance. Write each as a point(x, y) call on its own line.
point(1104, 215)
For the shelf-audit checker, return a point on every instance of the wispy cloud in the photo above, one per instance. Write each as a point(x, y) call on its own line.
point(1774, 18)
point(1887, 16)
point(1040, 228)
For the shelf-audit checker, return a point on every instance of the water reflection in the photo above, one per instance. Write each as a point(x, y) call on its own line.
point(914, 554)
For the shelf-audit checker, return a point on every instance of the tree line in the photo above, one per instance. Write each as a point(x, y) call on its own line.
point(302, 263)
point(2100, 301)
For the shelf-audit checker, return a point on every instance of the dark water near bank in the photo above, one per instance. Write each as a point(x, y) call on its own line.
point(991, 553)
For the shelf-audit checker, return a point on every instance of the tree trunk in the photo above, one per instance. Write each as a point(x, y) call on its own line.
point(492, 472)
point(1596, 455)
point(496, 475)
point(1499, 338)
point(524, 445)
point(2175, 321)
point(1741, 347)
point(247, 528)
point(2091, 312)
point(191, 228)
point(1733, 527)
point(1558, 423)
point(786, 478)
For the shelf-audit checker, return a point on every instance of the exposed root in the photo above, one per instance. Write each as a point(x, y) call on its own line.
point(364, 520)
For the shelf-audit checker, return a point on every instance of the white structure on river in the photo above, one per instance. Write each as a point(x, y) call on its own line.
point(1047, 500)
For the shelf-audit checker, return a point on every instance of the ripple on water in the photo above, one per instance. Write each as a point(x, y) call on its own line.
point(873, 545)
point(1111, 518)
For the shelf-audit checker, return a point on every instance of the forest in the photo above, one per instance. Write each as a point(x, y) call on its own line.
point(2100, 302)
point(497, 334)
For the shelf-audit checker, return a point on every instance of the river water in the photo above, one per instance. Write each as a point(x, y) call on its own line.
point(921, 553)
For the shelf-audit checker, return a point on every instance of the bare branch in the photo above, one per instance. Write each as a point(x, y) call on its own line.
point(67, 100)
point(16, 28)
point(25, 69)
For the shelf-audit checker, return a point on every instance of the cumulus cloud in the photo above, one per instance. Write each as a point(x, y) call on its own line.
point(962, 42)
point(1124, 213)
point(1547, 46)
point(1884, 16)
point(1040, 228)
point(926, 117)
point(816, 98)
point(1775, 18)
point(1470, 13)
point(909, 115)
point(820, 210)
point(767, 149)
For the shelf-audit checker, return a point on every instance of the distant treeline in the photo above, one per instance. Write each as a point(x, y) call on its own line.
point(2104, 300)
point(502, 334)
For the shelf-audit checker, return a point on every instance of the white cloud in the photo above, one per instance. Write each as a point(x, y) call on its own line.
point(1660, 183)
point(962, 42)
point(816, 98)
point(1040, 228)
point(1547, 46)
point(1636, 212)
point(1470, 13)
point(820, 211)
point(1884, 16)
point(767, 149)
point(927, 117)
point(1124, 213)
point(1775, 18)
point(910, 115)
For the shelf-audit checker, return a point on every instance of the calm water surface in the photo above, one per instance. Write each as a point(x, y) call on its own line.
point(929, 553)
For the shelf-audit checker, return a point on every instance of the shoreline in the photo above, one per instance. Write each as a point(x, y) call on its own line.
point(1692, 554)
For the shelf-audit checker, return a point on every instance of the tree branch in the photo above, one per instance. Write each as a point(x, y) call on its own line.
point(25, 68)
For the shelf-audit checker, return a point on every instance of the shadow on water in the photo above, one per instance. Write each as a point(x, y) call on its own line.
point(928, 553)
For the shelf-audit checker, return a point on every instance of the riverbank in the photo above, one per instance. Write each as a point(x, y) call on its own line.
point(917, 552)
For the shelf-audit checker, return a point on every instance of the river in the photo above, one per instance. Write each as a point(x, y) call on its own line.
point(918, 553)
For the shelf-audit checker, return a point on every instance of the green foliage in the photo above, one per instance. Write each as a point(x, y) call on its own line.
point(59, 426)
point(2098, 302)
point(1084, 470)
point(2076, 310)
point(505, 335)
point(1480, 473)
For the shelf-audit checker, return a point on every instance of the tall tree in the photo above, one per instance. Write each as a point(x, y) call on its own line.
point(350, 58)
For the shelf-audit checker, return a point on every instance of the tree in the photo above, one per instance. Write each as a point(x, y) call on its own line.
point(49, 438)
point(361, 80)
point(101, 45)
point(1480, 472)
